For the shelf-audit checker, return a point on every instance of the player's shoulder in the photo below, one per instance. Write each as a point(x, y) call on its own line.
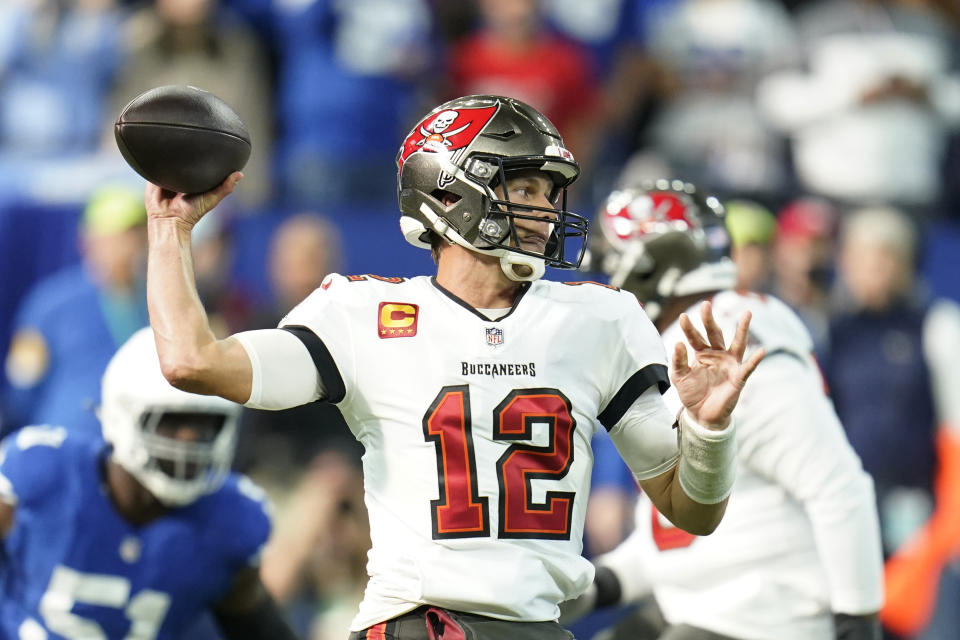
point(37, 459)
point(587, 296)
point(48, 441)
point(365, 283)
point(359, 290)
point(773, 324)
point(241, 507)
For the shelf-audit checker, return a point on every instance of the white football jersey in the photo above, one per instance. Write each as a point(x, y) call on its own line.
point(477, 432)
point(800, 538)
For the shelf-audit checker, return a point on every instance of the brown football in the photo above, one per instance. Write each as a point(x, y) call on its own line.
point(182, 138)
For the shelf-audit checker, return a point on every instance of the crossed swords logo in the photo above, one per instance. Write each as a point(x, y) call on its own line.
point(438, 132)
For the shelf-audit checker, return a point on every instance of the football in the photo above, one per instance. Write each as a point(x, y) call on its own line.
point(182, 138)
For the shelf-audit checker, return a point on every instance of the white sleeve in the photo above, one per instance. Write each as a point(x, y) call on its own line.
point(645, 436)
point(284, 374)
point(789, 432)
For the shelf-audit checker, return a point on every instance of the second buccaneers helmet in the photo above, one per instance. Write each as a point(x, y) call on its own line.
point(467, 147)
point(663, 240)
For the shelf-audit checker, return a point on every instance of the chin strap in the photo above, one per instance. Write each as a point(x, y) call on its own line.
point(516, 266)
point(521, 268)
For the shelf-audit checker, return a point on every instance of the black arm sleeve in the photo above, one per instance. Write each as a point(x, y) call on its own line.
point(263, 622)
point(608, 587)
point(851, 627)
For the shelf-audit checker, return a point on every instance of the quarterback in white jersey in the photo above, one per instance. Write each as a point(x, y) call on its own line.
point(483, 445)
point(800, 542)
point(475, 392)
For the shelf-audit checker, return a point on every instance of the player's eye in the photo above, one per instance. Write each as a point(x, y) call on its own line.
point(522, 192)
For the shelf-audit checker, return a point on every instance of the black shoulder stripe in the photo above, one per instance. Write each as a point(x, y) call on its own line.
point(322, 360)
point(631, 390)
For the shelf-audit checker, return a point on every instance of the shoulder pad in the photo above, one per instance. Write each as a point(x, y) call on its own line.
point(773, 325)
point(588, 292)
point(244, 509)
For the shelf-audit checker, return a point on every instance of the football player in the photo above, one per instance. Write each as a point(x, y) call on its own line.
point(134, 537)
point(475, 391)
point(798, 552)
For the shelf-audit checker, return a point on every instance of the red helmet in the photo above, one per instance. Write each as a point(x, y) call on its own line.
point(663, 240)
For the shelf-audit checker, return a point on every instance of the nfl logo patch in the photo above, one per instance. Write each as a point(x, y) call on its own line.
point(494, 336)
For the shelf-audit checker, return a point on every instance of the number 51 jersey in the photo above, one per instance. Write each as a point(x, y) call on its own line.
point(477, 432)
point(73, 567)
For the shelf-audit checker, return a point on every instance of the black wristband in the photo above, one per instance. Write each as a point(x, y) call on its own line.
point(608, 587)
point(856, 627)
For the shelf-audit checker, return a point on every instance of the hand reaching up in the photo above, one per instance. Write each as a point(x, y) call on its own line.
point(710, 385)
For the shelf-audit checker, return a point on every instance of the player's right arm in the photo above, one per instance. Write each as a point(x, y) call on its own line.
point(191, 356)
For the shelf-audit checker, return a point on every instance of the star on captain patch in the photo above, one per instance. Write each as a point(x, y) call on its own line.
point(494, 336)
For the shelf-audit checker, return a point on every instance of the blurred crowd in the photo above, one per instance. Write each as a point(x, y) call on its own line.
point(829, 128)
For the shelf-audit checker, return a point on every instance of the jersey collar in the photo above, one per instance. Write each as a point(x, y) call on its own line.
point(524, 287)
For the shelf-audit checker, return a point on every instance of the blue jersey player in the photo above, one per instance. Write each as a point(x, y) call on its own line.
point(136, 538)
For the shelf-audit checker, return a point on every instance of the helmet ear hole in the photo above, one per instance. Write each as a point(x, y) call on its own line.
point(448, 198)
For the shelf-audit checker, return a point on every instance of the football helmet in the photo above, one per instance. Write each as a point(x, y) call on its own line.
point(140, 411)
point(663, 240)
point(469, 146)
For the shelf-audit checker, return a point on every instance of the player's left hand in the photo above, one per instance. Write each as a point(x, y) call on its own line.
point(710, 386)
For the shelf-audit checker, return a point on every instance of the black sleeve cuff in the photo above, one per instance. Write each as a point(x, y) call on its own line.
point(857, 627)
point(631, 390)
point(322, 360)
point(609, 592)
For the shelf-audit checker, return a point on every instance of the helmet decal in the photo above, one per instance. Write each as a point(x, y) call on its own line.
point(663, 240)
point(448, 131)
point(634, 216)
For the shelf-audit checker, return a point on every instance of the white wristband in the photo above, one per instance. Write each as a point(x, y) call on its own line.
point(707, 466)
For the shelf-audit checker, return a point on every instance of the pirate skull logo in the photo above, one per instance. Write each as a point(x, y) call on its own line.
point(435, 137)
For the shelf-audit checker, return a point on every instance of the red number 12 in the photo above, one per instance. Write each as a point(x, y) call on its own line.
point(460, 512)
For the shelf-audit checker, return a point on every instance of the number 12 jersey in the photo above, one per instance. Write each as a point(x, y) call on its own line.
point(477, 432)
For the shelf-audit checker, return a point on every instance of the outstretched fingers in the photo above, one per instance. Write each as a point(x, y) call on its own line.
point(693, 336)
point(739, 344)
point(714, 333)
